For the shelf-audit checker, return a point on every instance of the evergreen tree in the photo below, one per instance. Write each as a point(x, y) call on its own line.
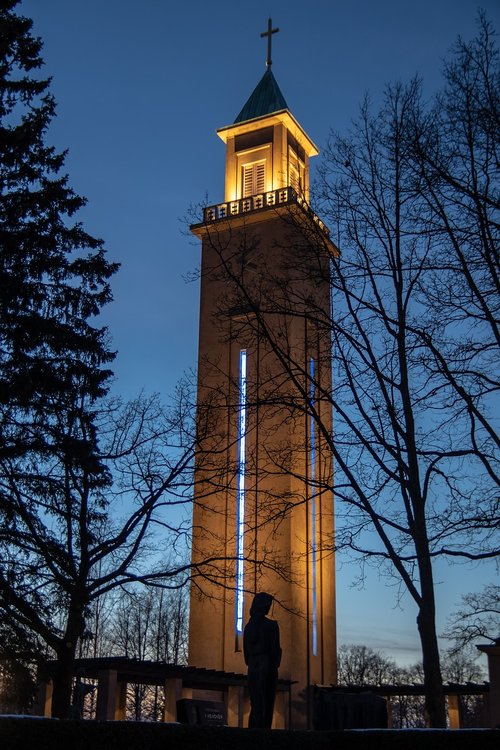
point(50, 290)
point(53, 358)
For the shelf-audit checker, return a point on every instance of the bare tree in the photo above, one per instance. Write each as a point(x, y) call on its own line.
point(361, 665)
point(149, 625)
point(456, 150)
point(132, 627)
point(461, 667)
point(82, 542)
point(478, 619)
point(416, 329)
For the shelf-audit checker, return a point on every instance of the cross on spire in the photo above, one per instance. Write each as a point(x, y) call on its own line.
point(270, 31)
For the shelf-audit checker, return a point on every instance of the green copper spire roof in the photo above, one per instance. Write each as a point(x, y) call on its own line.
point(265, 99)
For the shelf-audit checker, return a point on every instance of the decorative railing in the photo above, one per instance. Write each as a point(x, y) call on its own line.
point(260, 202)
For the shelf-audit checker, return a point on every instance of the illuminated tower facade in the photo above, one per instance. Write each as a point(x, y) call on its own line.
point(263, 506)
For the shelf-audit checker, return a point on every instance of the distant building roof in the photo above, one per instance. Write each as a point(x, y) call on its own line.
point(265, 99)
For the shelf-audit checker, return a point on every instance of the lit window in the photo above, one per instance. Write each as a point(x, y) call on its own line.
point(240, 489)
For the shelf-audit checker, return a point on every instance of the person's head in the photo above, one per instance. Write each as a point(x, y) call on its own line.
point(261, 604)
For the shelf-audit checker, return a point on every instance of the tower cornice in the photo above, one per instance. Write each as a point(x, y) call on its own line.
point(282, 117)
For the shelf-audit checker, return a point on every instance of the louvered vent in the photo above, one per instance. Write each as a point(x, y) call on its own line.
point(254, 178)
point(294, 178)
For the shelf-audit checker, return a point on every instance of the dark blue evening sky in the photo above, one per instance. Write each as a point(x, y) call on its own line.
point(141, 88)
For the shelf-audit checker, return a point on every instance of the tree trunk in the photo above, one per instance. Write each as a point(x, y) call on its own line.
point(435, 707)
point(63, 680)
point(65, 666)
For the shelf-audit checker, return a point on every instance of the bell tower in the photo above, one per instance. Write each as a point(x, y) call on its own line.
point(263, 503)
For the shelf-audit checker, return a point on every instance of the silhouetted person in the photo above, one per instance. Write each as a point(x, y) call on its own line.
point(262, 652)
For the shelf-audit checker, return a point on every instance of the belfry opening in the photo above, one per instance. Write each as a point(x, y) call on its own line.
point(263, 503)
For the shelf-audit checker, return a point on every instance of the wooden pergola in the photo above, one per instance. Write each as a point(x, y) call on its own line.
point(453, 692)
point(113, 674)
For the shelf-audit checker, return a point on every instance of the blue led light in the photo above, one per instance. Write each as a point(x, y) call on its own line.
point(240, 492)
point(312, 448)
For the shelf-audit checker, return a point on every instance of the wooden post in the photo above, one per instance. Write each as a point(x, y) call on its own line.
point(43, 704)
point(493, 653)
point(246, 707)
point(173, 692)
point(234, 706)
point(281, 710)
point(106, 695)
point(388, 705)
point(454, 711)
point(121, 701)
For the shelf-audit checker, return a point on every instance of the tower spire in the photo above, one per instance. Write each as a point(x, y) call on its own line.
point(270, 31)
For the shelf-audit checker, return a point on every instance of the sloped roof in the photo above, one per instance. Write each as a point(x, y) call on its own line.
point(264, 99)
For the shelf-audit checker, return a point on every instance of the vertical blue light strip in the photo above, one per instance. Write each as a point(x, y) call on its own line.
point(312, 444)
point(240, 510)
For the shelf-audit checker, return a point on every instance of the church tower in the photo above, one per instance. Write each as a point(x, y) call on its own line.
point(263, 504)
